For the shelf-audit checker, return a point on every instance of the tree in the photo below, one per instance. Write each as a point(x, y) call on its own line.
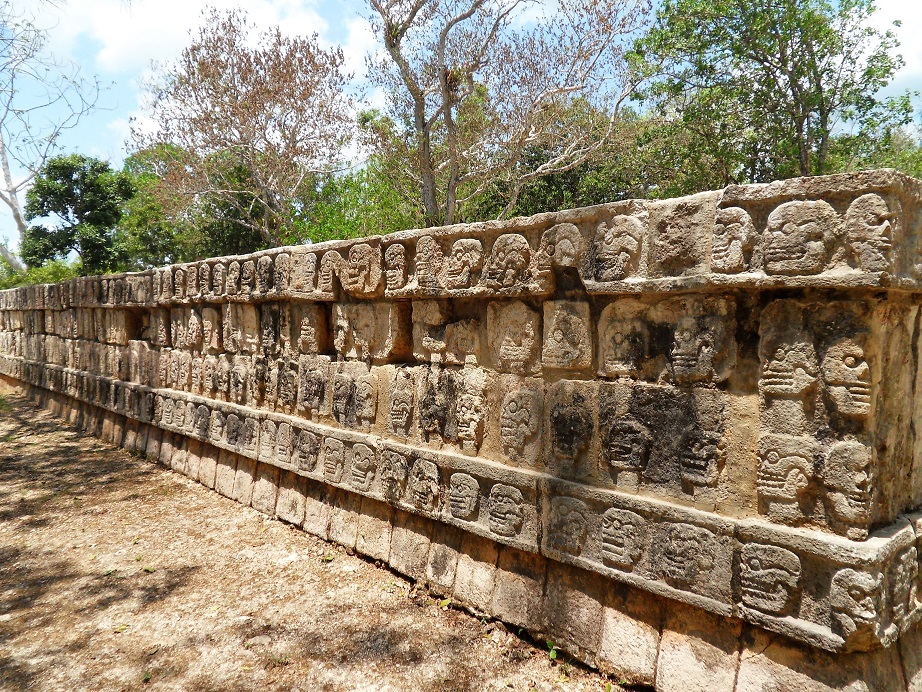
point(86, 197)
point(764, 85)
point(474, 84)
point(40, 97)
point(249, 121)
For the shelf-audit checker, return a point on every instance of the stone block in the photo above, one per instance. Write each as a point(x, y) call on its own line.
point(442, 564)
point(476, 571)
point(193, 459)
point(265, 489)
point(226, 473)
point(344, 517)
point(291, 500)
point(518, 594)
point(178, 457)
point(409, 551)
point(166, 449)
point(770, 662)
point(374, 531)
point(317, 509)
point(573, 610)
point(244, 480)
point(208, 465)
point(631, 624)
point(699, 651)
point(152, 448)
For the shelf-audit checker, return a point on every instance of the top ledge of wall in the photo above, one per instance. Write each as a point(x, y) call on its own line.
point(852, 231)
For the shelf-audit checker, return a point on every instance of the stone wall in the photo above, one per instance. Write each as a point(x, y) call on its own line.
point(659, 433)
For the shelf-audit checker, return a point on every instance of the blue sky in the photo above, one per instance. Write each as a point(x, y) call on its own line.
point(117, 40)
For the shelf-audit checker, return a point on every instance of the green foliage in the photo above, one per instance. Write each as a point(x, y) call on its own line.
point(762, 87)
point(49, 273)
point(85, 196)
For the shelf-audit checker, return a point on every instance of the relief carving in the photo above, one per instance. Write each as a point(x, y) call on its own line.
point(568, 524)
point(847, 378)
point(429, 259)
point(856, 600)
point(800, 237)
point(509, 263)
point(618, 244)
point(334, 460)
point(848, 477)
point(734, 238)
point(623, 343)
point(463, 263)
point(688, 553)
point(785, 471)
point(303, 272)
point(463, 496)
point(904, 584)
point(869, 233)
point(769, 579)
point(364, 465)
point(307, 449)
point(624, 535)
point(424, 485)
point(567, 341)
point(400, 409)
point(395, 267)
point(394, 472)
point(362, 273)
point(514, 331)
point(519, 423)
point(507, 513)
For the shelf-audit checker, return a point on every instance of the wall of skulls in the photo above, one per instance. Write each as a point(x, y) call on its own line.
point(710, 398)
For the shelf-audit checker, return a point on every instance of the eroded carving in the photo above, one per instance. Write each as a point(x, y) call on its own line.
point(734, 237)
point(769, 578)
point(623, 538)
point(463, 496)
point(567, 341)
point(847, 474)
point(507, 513)
point(869, 233)
point(618, 244)
point(800, 237)
point(688, 553)
point(568, 525)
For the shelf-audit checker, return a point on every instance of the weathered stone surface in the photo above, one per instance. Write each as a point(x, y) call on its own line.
point(706, 401)
point(699, 652)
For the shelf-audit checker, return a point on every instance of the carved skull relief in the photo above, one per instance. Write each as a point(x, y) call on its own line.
point(800, 237)
point(848, 378)
point(461, 265)
point(769, 578)
point(506, 510)
point(394, 470)
point(617, 248)
point(868, 226)
point(688, 553)
point(734, 235)
point(510, 262)
point(463, 496)
point(848, 478)
point(395, 267)
point(623, 538)
point(424, 485)
point(364, 465)
point(856, 600)
point(568, 524)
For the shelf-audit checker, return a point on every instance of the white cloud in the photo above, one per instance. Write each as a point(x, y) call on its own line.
point(123, 38)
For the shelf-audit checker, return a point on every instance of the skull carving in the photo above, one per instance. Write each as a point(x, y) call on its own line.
point(856, 600)
point(334, 460)
point(509, 262)
point(518, 422)
point(848, 478)
point(687, 553)
point(394, 471)
point(465, 259)
point(424, 485)
point(401, 405)
point(428, 262)
point(307, 451)
point(869, 232)
point(395, 266)
point(463, 496)
point(617, 248)
point(847, 378)
point(800, 236)
point(628, 445)
point(567, 527)
point(506, 510)
point(769, 578)
point(785, 467)
point(623, 345)
point(623, 538)
point(734, 234)
point(790, 372)
point(364, 465)
point(701, 456)
point(695, 348)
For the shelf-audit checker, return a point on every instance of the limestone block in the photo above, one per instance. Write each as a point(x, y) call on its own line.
point(442, 564)
point(631, 623)
point(573, 610)
point(208, 466)
point(344, 517)
point(374, 529)
point(567, 336)
point(519, 589)
point(244, 480)
point(226, 473)
point(514, 333)
point(291, 498)
point(265, 489)
point(475, 573)
point(410, 543)
point(317, 510)
point(699, 652)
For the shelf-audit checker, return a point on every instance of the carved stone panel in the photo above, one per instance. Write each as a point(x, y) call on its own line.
point(567, 336)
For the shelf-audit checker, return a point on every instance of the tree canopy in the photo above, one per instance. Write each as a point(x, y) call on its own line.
point(83, 198)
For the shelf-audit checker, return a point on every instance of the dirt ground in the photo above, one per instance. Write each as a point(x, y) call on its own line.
point(116, 574)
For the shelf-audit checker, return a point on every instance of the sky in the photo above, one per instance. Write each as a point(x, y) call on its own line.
point(117, 41)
